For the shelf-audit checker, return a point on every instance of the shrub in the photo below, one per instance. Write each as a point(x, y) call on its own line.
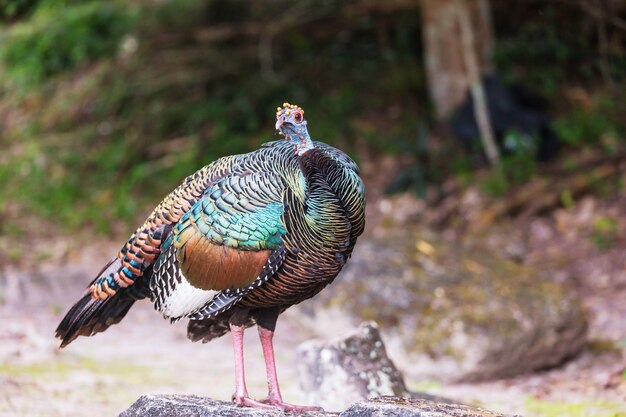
point(11, 9)
point(60, 39)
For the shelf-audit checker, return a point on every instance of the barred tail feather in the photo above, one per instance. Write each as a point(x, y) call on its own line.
point(91, 315)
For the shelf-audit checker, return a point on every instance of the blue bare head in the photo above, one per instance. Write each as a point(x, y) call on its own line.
point(290, 122)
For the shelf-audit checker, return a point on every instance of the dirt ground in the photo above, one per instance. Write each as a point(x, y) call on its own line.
point(103, 375)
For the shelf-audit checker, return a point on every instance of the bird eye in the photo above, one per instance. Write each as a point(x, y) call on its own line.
point(297, 117)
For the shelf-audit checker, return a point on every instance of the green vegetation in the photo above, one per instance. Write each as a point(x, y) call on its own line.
point(515, 168)
point(601, 122)
point(114, 111)
point(106, 106)
point(10, 9)
point(604, 232)
point(551, 50)
point(567, 199)
point(60, 37)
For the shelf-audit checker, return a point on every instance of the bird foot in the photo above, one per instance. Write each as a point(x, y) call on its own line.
point(245, 401)
point(277, 402)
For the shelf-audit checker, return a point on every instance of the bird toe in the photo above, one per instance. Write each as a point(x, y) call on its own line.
point(245, 401)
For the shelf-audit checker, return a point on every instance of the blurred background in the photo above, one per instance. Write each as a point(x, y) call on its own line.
point(491, 137)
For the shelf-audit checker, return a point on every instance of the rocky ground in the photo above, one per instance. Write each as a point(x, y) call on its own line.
point(179, 406)
point(102, 376)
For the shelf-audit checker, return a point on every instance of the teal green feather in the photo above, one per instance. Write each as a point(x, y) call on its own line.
point(226, 218)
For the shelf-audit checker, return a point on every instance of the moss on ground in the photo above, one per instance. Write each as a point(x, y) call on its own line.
point(62, 369)
point(453, 290)
point(581, 408)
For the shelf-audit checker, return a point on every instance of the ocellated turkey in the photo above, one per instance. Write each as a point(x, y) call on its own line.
point(236, 244)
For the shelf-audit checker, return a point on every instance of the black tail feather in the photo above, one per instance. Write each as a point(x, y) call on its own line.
point(90, 316)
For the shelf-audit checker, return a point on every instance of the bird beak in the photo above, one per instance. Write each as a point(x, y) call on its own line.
point(279, 123)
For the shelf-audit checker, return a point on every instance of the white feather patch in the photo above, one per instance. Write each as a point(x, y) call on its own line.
point(185, 299)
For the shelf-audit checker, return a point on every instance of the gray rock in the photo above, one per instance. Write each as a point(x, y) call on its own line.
point(193, 406)
point(449, 311)
point(406, 407)
point(335, 374)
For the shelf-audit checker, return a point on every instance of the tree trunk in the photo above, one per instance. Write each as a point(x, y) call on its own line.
point(446, 66)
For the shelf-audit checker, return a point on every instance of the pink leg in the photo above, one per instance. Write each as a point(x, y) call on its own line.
point(273, 396)
point(240, 397)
